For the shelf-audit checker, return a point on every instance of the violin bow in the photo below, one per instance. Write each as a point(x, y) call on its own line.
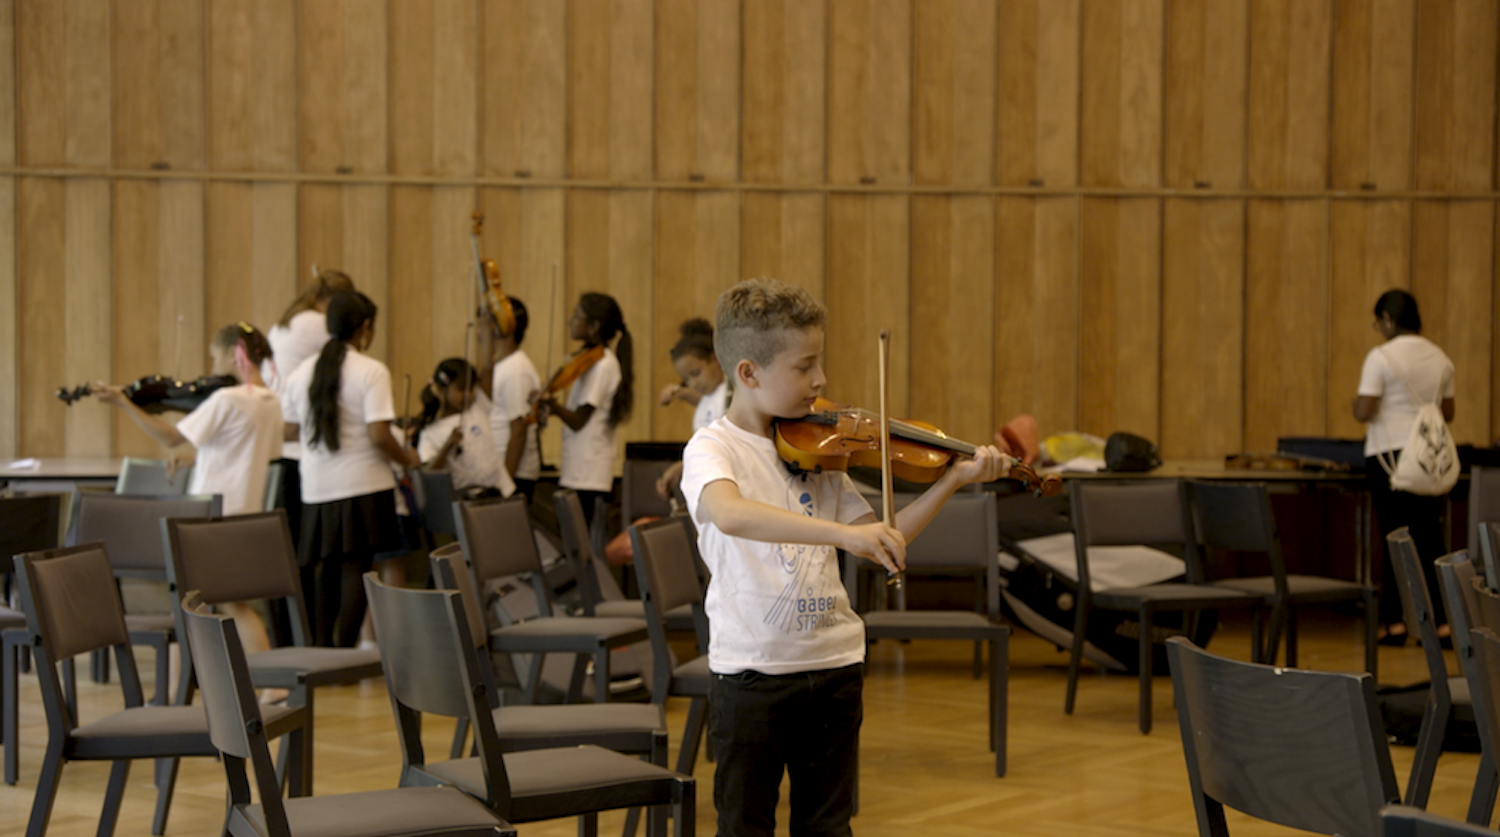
point(406, 411)
point(887, 495)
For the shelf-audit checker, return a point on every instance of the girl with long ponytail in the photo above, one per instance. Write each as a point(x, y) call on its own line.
point(598, 400)
point(341, 403)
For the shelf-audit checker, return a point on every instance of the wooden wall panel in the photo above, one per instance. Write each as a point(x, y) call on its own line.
point(434, 87)
point(182, 255)
point(1371, 253)
point(1372, 106)
point(1037, 313)
point(1039, 89)
point(1206, 79)
point(252, 90)
point(1456, 87)
point(86, 306)
point(869, 248)
point(342, 97)
point(1203, 328)
point(1120, 125)
point(345, 228)
point(697, 257)
point(158, 76)
point(1290, 48)
point(409, 317)
point(1453, 276)
point(869, 92)
point(1120, 302)
point(1286, 321)
point(8, 75)
point(954, 79)
point(952, 315)
point(41, 335)
point(784, 92)
point(63, 83)
point(524, 234)
point(697, 90)
point(251, 253)
point(10, 324)
point(611, 250)
point(783, 235)
point(611, 51)
point(524, 89)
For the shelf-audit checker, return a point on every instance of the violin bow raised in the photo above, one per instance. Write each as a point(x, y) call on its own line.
point(887, 495)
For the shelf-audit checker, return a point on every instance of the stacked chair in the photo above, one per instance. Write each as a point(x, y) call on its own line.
point(432, 667)
point(72, 607)
point(1457, 580)
point(237, 726)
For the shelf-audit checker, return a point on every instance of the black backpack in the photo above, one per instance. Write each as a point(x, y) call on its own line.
point(1128, 452)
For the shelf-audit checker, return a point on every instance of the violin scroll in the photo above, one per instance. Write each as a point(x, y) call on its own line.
point(1048, 485)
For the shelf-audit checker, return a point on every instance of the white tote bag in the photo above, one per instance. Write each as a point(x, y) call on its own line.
point(1428, 463)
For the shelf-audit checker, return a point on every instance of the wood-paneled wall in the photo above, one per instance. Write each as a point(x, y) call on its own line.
point(1164, 216)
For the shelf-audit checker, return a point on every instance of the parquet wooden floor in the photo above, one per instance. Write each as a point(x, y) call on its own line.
point(925, 768)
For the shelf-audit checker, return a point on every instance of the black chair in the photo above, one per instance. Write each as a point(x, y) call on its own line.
point(237, 726)
point(435, 495)
point(497, 539)
point(246, 558)
point(1456, 578)
point(665, 563)
point(72, 607)
point(962, 538)
point(1303, 749)
point(149, 478)
point(1406, 821)
point(1449, 697)
point(1150, 513)
point(432, 668)
point(1237, 517)
point(28, 523)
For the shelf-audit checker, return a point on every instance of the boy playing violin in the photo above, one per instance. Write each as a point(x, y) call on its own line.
point(787, 650)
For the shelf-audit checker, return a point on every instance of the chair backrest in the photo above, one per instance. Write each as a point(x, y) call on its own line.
point(1488, 551)
point(1456, 579)
point(148, 477)
point(1407, 821)
point(131, 527)
point(595, 584)
point(497, 539)
point(965, 535)
point(234, 721)
point(1484, 501)
point(1144, 512)
point(431, 667)
point(450, 571)
point(1486, 645)
point(235, 559)
point(72, 606)
point(1304, 749)
point(1236, 517)
point(1416, 607)
point(434, 490)
point(665, 564)
point(28, 523)
point(638, 497)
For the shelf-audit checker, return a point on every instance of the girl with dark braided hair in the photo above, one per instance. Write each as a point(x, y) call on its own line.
point(339, 403)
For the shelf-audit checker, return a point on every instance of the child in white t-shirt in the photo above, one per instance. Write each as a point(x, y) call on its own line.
point(598, 400)
point(235, 433)
point(514, 382)
point(703, 385)
point(453, 433)
point(787, 650)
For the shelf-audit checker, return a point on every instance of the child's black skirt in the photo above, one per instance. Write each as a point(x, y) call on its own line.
point(361, 525)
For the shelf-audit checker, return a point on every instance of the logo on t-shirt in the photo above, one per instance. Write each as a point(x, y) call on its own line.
point(798, 607)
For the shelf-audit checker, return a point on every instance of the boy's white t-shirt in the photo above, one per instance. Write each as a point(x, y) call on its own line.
point(1424, 365)
point(588, 454)
point(237, 432)
point(711, 407)
point(358, 467)
point(512, 383)
point(775, 608)
point(474, 462)
point(303, 337)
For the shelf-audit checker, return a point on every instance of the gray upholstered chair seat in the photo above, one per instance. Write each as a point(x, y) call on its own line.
point(300, 660)
point(541, 780)
point(1210, 596)
point(149, 622)
point(566, 631)
point(380, 813)
point(1305, 587)
point(143, 731)
point(929, 620)
point(535, 727)
point(12, 618)
point(679, 619)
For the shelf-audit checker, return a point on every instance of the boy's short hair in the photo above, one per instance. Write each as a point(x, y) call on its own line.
point(754, 316)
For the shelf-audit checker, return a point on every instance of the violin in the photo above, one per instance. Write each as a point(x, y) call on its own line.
point(834, 437)
point(159, 394)
point(487, 274)
point(570, 372)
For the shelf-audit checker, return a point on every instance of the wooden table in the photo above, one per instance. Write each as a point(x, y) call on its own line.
point(61, 473)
